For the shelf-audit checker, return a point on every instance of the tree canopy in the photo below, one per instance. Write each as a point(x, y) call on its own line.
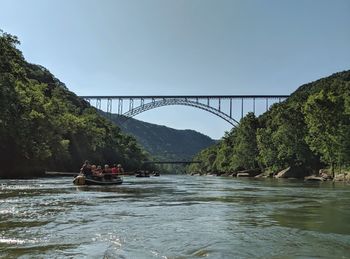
point(45, 126)
point(310, 129)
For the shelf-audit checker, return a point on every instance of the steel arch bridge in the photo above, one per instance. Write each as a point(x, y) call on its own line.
point(222, 106)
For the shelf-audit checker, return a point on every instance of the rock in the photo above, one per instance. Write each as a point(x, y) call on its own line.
point(325, 171)
point(228, 174)
point(342, 177)
point(293, 172)
point(243, 175)
point(265, 175)
point(283, 173)
point(325, 176)
point(314, 178)
point(250, 172)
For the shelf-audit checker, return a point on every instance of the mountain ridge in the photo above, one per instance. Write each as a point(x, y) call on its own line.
point(164, 142)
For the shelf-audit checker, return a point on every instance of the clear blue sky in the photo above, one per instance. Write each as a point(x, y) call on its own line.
point(136, 47)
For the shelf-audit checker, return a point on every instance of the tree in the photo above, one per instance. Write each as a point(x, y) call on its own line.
point(282, 141)
point(328, 122)
point(43, 125)
point(245, 149)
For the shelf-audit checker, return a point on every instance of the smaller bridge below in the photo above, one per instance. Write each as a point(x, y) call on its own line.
point(172, 162)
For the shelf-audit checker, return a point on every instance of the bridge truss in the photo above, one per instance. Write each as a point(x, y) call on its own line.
point(230, 108)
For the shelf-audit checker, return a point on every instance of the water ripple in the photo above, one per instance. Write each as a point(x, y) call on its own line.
point(174, 217)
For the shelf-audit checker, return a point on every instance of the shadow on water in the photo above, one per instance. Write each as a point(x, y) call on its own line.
point(133, 189)
point(326, 217)
point(35, 251)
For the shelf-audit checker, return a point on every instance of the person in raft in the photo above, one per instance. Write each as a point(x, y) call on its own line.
point(107, 172)
point(120, 169)
point(117, 169)
point(86, 169)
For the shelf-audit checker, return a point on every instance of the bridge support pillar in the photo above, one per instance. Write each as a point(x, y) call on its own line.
point(254, 106)
point(120, 106)
point(109, 106)
point(98, 103)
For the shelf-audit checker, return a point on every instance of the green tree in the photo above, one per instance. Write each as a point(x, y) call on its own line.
point(282, 141)
point(44, 126)
point(328, 123)
point(245, 149)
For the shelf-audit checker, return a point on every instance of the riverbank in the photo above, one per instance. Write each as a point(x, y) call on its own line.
point(288, 173)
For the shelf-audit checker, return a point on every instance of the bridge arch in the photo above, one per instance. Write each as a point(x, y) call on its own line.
point(222, 105)
point(174, 101)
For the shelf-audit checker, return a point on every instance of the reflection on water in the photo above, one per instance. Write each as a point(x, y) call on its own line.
point(174, 217)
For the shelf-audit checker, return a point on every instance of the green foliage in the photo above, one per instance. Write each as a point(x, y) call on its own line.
point(328, 120)
point(43, 125)
point(237, 150)
point(208, 157)
point(281, 142)
point(245, 149)
point(314, 122)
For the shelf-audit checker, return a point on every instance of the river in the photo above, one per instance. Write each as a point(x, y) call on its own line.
point(174, 217)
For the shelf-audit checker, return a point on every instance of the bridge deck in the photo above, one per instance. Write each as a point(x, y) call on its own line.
point(181, 96)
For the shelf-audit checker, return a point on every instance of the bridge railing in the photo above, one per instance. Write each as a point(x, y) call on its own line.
point(228, 107)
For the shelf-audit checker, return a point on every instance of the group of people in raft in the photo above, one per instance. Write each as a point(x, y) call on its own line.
point(96, 172)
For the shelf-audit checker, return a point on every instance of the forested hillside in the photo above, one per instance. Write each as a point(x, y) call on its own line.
point(44, 126)
point(162, 142)
point(311, 129)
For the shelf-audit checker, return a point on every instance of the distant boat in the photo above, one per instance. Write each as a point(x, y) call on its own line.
point(142, 174)
point(82, 180)
point(156, 174)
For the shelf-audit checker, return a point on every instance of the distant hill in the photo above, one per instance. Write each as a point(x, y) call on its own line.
point(163, 142)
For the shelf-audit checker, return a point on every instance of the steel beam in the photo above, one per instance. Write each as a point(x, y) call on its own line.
point(153, 101)
point(184, 96)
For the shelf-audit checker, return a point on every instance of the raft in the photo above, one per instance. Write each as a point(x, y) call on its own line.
point(142, 174)
point(82, 180)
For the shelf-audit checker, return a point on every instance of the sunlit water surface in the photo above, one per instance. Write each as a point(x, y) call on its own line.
point(174, 217)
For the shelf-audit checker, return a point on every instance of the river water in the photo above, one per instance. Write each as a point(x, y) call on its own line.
point(174, 217)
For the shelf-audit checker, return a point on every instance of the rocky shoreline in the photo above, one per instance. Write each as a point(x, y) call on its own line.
point(288, 173)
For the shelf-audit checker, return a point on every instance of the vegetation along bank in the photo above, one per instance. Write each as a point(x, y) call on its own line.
point(307, 132)
point(43, 126)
